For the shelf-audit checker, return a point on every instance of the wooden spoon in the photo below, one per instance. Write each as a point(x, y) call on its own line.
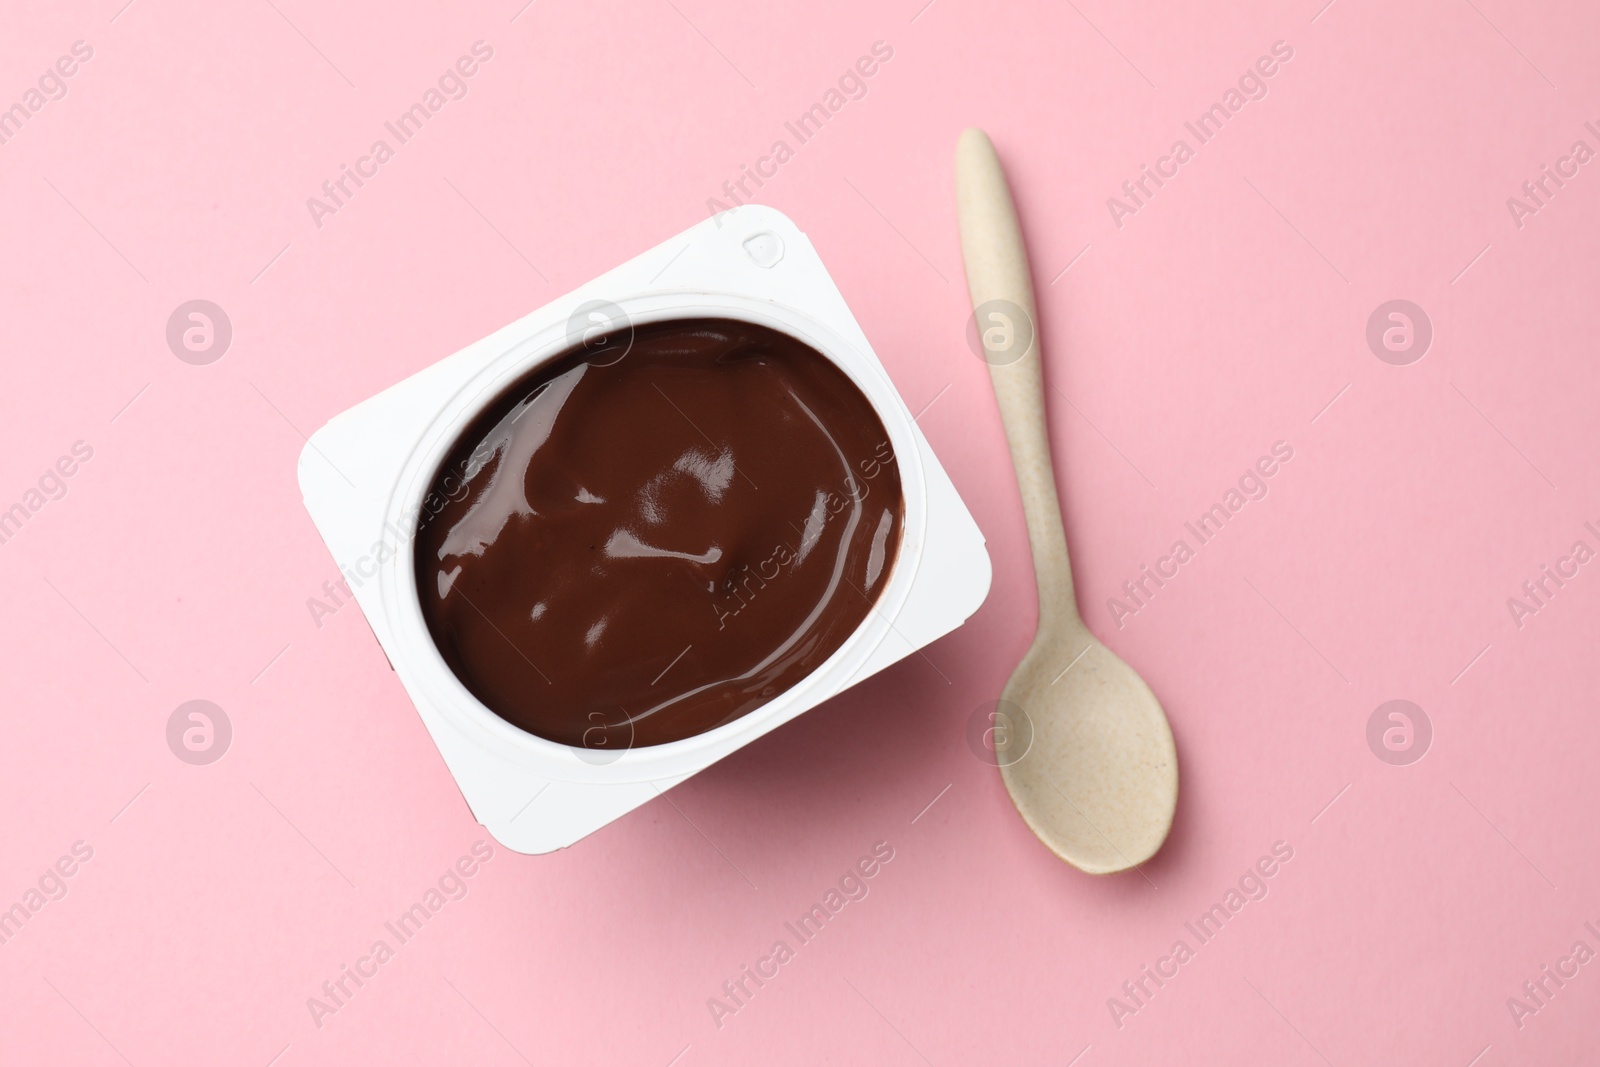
point(1083, 746)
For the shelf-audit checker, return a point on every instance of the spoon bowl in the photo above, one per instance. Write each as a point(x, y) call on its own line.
point(1098, 782)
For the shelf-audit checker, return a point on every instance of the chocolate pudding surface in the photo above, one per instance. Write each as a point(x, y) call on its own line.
point(658, 532)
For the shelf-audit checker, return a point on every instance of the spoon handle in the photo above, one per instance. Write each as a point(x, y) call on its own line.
point(1002, 300)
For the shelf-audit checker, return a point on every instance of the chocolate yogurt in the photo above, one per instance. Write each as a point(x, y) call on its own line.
point(658, 532)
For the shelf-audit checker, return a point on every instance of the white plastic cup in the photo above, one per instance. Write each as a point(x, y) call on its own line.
point(535, 795)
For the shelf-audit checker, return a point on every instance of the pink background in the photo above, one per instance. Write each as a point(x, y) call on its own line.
point(1224, 316)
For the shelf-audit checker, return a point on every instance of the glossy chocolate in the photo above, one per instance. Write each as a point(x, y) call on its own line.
point(658, 533)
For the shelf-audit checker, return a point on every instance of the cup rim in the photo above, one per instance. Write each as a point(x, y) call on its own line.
point(419, 659)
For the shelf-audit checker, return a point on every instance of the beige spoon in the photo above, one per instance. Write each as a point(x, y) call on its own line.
point(1084, 747)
